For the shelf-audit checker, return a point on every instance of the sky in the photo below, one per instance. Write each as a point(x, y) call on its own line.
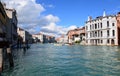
point(56, 17)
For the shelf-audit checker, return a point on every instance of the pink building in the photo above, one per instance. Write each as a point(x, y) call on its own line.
point(77, 34)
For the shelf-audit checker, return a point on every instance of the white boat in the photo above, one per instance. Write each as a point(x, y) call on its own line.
point(58, 44)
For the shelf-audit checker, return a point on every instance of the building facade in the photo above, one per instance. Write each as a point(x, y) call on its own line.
point(77, 34)
point(48, 39)
point(102, 30)
point(118, 27)
point(26, 36)
point(38, 37)
point(12, 15)
point(3, 24)
point(62, 39)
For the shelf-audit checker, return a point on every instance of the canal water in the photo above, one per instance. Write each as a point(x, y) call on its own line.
point(75, 60)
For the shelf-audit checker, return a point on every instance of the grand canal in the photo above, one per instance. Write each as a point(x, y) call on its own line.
point(76, 60)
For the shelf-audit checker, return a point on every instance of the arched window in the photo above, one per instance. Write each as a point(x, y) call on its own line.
point(113, 24)
point(90, 27)
point(107, 23)
point(112, 42)
point(95, 26)
point(101, 24)
point(108, 33)
point(101, 33)
point(86, 28)
point(95, 34)
point(113, 32)
point(98, 25)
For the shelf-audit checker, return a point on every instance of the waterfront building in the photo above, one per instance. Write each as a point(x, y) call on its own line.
point(35, 39)
point(3, 24)
point(118, 27)
point(62, 39)
point(26, 36)
point(9, 23)
point(48, 39)
point(12, 15)
point(103, 30)
point(75, 35)
point(38, 37)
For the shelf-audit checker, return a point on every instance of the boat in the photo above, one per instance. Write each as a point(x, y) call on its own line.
point(58, 44)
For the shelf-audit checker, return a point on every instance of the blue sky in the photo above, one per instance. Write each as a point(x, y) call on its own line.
point(57, 17)
point(75, 12)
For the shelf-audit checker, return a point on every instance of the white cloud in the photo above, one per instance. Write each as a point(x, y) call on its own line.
point(28, 11)
point(30, 17)
point(56, 30)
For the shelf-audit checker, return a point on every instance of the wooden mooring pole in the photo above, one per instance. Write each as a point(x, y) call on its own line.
point(10, 57)
point(1, 60)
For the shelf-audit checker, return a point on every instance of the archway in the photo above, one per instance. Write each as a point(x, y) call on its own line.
point(112, 42)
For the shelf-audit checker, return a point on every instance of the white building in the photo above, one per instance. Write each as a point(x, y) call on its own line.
point(62, 39)
point(38, 36)
point(102, 30)
point(26, 36)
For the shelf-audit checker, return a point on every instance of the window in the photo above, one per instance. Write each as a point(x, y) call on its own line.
point(101, 41)
point(86, 35)
point(98, 41)
point(98, 25)
point(86, 41)
point(107, 23)
point(108, 41)
point(101, 33)
point(112, 42)
point(113, 32)
point(90, 27)
point(95, 26)
point(98, 34)
point(95, 34)
point(107, 32)
point(113, 24)
point(86, 28)
point(101, 25)
point(90, 34)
